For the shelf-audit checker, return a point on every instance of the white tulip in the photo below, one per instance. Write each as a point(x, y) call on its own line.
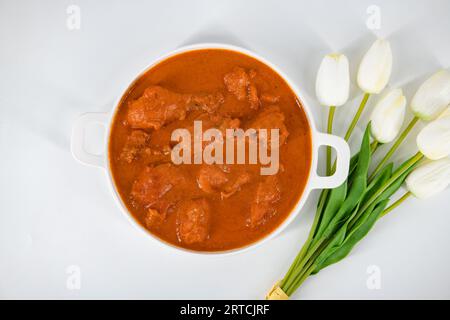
point(387, 116)
point(432, 96)
point(333, 80)
point(429, 178)
point(434, 139)
point(375, 68)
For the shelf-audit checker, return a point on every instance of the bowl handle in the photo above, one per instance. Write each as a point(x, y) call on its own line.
point(342, 162)
point(78, 139)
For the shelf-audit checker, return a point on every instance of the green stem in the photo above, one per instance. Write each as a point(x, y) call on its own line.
point(408, 164)
point(374, 146)
point(296, 271)
point(309, 240)
point(299, 257)
point(305, 275)
point(300, 276)
point(395, 204)
point(357, 116)
point(322, 201)
point(394, 147)
point(330, 131)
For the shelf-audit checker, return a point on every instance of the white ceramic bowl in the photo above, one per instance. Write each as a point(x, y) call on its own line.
point(318, 139)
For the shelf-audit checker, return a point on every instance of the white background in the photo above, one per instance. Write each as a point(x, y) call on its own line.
point(55, 213)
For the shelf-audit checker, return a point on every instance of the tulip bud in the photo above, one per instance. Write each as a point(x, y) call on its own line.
point(432, 96)
point(434, 139)
point(375, 68)
point(333, 80)
point(429, 178)
point(387, 116)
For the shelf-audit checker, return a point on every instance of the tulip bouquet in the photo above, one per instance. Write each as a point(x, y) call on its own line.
point(347, 213)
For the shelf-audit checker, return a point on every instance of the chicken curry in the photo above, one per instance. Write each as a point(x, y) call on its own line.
point(208, 206)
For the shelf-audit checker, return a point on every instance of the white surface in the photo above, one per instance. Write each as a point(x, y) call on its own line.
point(55, 213)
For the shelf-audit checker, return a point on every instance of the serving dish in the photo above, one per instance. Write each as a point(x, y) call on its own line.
point(314, 181)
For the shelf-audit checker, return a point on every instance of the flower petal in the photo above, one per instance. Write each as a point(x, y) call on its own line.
point(429, 178)
point(432, 96)
point(333, 80)
point(375, 68)
point(387, 116)
point(434, 139)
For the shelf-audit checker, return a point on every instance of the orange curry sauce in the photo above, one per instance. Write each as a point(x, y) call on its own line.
point(198, 206)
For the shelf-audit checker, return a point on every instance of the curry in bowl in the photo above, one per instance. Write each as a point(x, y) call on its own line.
point(200, 205)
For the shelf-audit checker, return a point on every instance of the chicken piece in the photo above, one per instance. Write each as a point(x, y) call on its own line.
point(207, 102)
point(263, 207)
point(217, 121)
point(238, 82)
point(211, 178)
point(154, 219)
point(158, 187)
point(159, 106)
point(228, 123)
point(156, 154)
point(210, 121)
point(156, 107)
point(193, 220)
point(220, 178)
point(271, 118)
point(235, 186)
point(135, 144)
point(252, 96)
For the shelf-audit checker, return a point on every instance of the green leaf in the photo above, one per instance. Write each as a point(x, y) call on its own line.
point(357, 189)
point(334, 202)
point(339, 248)
point(334, 244)
point(354, 237)
point(378, 181)
point(386, 194)
point(329, 198)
